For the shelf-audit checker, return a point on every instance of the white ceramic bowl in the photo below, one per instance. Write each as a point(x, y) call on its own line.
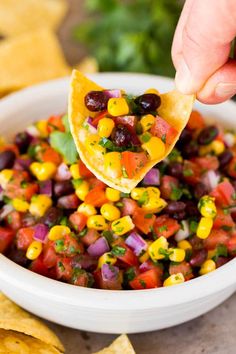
point(103, 310)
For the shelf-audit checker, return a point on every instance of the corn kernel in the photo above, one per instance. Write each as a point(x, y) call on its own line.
point(113, 195)
point(74, 170)
point(204, 227)
point(147, 121)
point(207, 206)
point(110, 212)
point(153, 202)
point(106, 258)
point(122, 225)
point(105, 127)
point(117, 106)
point(184, 245)
point(137, 193)
point(216, 147)
point(112, 164)
point(93, 147)
point(158, 249)
point(176, 254)
point(43, 170)
point(153, 90)
point(207, 267)
point(174, 279)
point(42, 126)
point(20, 205)
point(34, 250)
point(87, 209)
point(155, 148)
point(144, 257)
point(82, 190)
point(97, 222)
point(5, 176)
point(58, 231)
point(39, 205)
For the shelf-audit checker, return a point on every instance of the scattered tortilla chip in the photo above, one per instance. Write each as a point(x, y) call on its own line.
point(175, 109)
point(121, 345)
point(29, 59)
point(12, 317)
point(14, 342)
point(88, 65)
point(20, 16)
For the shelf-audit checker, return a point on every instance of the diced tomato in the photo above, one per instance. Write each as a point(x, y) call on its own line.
point(10, 147)
point(143, 220)
point(24, 237)
point(133, 162)
point(50, 155)
point(231, 245)
point(183, 267)
point(64, 269)
point(224, 194)
point(168, 185)
point(90, 237)
point(80, 278)
point(84, 171)
point(49, 255)
point(94, 182)
point(106, 284)
point(128, 257)
point(129, 206)
point(20, 187)
point(231, 169)
point(78, 220)
point(207, 163)
point(196, 121)
point(222, 220)
point(129, 121)
point(70, 201)
point(97, 118)
point(14, 220)
point(39, 267)
point(55, 123)
point(146, 280)
point(191, 172)
point(165, 226)
point(216, 237)
point(6, 237)
point(163, 130)
point(68, 246)
point(28, 192)
point(96, 197)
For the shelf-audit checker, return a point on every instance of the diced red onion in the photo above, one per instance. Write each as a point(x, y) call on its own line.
point(109, 272)
point(40, 232)
point(145, 266)
point(183, 232)
point(32, 131)
point(210, 179)
point(45, 187)
point(91, 127)
point(22, 164)
point(136, 243)
point(113, 93)
point(63, 173)
point(152, 177)
point(99, 247)
point(7, 209)
point(229, 139)
point(84, 261)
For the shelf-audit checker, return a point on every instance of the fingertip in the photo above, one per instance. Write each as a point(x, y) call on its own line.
point(184, 80)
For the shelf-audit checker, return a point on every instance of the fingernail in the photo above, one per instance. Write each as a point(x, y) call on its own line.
point(225, 89)
point(183, 78)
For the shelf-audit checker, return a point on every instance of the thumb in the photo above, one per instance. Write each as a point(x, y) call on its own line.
point(206, 38)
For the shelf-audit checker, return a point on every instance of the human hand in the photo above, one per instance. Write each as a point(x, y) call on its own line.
point(201, 50)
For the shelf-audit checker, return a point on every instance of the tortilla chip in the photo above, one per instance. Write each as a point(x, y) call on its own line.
point(121, 345)
point(12, 317)
point(13, 342)
point(29, 59)
point(175, 109)
point(20, 16)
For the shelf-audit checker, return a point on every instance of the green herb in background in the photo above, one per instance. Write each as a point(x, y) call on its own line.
point(134, 35)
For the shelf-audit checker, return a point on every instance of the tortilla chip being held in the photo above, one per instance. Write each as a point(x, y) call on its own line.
point(12, 317)
point(122, 168)
point(29, 59)
point(14, 342)
point(17, 17)
point(121, 345)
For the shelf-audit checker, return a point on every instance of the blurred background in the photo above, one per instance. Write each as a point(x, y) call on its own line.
point(92, 35)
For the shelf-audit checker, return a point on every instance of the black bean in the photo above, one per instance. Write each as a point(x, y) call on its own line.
point(17, 256)
point(179, 216)
point(196, 242)
point(175, 169)
point(207, 135)
point(175, 207)
point(149, 102)
point(191, 208)
point(225, 158)
point(7, 159)
point(200, 190)
point(22, 140)
point(185, 138)
point(96, 101)
point(198, 258)
point(63, 188)
point(190, 150)
point(52, 217)
point(121, 136)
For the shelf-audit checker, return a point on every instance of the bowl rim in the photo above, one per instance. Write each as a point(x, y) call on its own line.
point(41, 286)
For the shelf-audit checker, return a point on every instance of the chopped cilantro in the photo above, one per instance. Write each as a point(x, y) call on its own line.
point(124, 195)
point(142, 283)
point(148, 216)
point(163, 138)
point(163, 228)
point(226, 227)
point(32, 150)
point(176, 193)
point(9, 219)
point(143, 199)
point(118, 251)
point(146, 137)
point(61, 266)
point(59, 246)
point(188, 172)
point(221, 251)
point(83, 232)
point(108, 235)
point(119, 204)
point(193, 226)
point(174, 155)
point(6, 200)
point(64, 221)
point(24, 184)
point(130, 273)
point(77, 182)
point(64, 144)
